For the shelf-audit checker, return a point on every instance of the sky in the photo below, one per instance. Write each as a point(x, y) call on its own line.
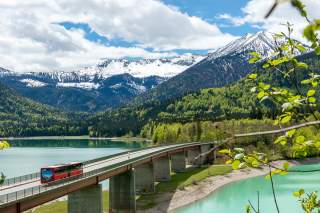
point(37, 35)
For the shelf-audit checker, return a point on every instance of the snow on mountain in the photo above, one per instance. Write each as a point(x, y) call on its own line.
point(138, 88)
point(33, 83)
point(141, 68)
point(82, 85)
point(88, 77)
point(261, 42)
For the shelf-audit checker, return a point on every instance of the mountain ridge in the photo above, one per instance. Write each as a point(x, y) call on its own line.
point(96, 88)
point(222, 67)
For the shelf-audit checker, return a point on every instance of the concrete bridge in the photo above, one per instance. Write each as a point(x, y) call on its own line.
point(130, 173)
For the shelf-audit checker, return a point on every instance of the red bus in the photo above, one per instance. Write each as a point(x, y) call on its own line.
point(58, 172)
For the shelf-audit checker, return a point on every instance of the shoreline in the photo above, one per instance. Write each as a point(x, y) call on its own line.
point(169, 201)
point(129, 139)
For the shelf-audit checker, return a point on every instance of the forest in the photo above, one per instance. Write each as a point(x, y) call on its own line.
point(20, 116)
point(235, 101)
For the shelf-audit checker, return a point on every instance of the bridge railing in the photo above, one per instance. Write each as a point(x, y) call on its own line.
point(17, 195)
point(20, 179)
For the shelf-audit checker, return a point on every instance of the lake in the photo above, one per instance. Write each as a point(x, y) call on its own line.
point(28, 156)
point(234, 197)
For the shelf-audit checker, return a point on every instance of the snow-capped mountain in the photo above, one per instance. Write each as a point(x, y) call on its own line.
point(88, 76)
point(220, 68)
point(108, 84)
point(261, 42)
point(165, 67)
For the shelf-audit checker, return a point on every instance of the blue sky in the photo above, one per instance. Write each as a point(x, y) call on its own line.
point(207, 10)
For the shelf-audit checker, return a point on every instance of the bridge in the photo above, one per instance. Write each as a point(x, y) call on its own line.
point(130, 173)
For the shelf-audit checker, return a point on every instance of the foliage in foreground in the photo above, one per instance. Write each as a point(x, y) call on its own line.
point(296, 106)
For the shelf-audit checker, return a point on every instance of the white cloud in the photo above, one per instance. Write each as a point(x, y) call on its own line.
point(255, 11)
point(31, 39)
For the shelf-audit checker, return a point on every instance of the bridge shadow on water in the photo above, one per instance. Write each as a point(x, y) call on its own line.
point(164, 191)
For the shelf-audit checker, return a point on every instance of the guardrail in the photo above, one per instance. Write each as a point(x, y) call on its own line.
point(20, 179)
point(14, 196)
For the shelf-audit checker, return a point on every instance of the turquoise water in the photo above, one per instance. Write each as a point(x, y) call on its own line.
point(28, 156)
point(234, 197)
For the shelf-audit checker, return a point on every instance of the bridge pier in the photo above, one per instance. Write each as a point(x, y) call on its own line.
point(206, 157)
point(162, 169)
point(122, 193)
point(86, 200)
point(178, 162)
point(194, 157)
point(144, 178)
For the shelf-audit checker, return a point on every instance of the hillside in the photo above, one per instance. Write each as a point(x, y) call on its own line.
point(234, 101)
point(20, 116)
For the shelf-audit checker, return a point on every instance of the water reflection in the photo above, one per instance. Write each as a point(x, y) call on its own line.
point(79, 143)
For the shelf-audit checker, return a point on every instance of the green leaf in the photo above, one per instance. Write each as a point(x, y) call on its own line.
point(229, 161)
point(242, 165)
point(281, 140)
point(266, 65)
point(248, 208)
point(308, 32)
point(300, 6)
point(302, 65)
point(235, 164)
point(301, 48)
point(314, 83)
point(4, 145)
point(255, 54)
point(317, 50)
point(261, 94)
point(311, 92)
point(298, 193)
point(312, 99)
point(255, 164)
point(253, 76)
point(286, 166)
point(286, 119)
point(290, 133)
point(300, 139)
point(253, 60)
point(225, 151)
point(307, 81)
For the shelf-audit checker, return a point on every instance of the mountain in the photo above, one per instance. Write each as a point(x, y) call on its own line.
point(107, 84)
point(232, 101)
point(222, 67)
point(20, 116)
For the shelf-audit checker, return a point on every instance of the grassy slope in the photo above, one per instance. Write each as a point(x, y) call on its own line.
point(182, 180)
point(178, 181)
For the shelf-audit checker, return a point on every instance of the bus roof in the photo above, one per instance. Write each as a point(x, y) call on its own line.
point(62, 165)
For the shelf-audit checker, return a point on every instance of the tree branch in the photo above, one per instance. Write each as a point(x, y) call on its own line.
point(277, 131)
